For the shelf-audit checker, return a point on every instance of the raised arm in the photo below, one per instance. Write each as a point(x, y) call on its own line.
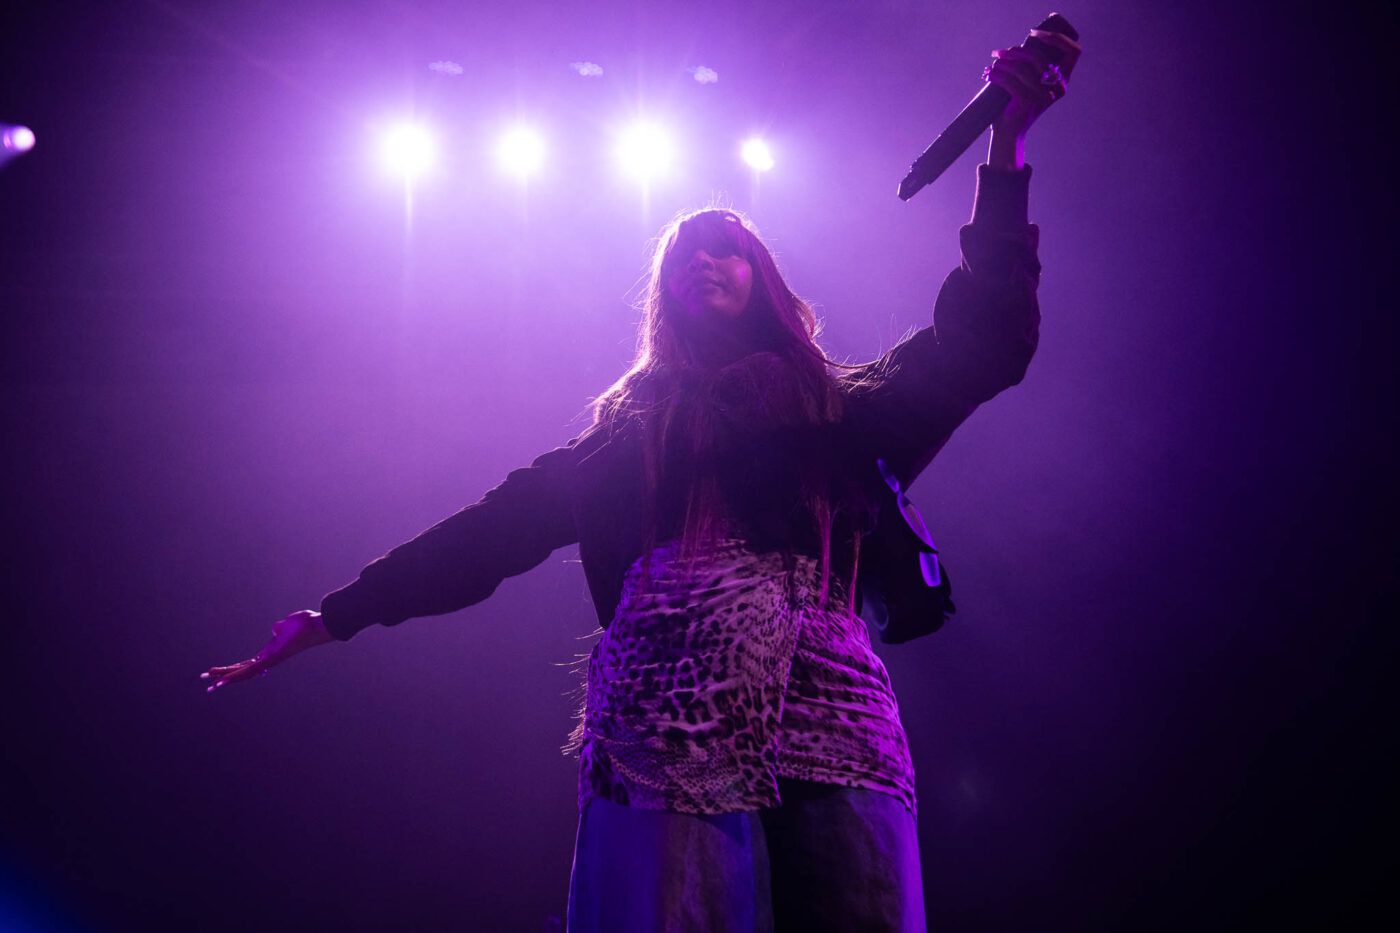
point(986, 320)
point(986, 325)
point(463, 558)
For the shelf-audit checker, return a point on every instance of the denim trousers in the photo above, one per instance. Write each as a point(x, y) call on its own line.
point(829, 858)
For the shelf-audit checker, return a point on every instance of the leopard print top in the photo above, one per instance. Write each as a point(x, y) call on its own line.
point(719, 676)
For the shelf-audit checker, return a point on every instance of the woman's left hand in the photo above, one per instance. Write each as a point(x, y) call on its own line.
point(1023, 73)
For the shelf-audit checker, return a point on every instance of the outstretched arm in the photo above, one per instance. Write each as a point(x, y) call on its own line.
point(452, 565)
point(459, 561)
point(463, 558)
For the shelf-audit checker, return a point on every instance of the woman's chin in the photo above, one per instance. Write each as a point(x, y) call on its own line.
point(715, 314)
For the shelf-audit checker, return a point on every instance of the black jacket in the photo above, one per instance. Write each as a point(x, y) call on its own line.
point(906, 406)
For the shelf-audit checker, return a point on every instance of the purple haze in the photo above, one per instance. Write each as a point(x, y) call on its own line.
point(237, 370)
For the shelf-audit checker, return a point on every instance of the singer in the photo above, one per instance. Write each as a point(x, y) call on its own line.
point(742, 762)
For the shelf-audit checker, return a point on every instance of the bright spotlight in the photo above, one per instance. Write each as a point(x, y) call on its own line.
point(520, 152)
point(757, 155)
point(16, 138)
point(407, 149)
point(645, 151)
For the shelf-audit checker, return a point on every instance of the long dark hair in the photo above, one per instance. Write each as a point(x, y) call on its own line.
point(797, 384)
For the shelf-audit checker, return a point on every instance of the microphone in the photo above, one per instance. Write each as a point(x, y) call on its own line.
point(981, 113)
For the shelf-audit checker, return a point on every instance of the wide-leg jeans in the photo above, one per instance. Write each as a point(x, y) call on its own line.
point(829, 858)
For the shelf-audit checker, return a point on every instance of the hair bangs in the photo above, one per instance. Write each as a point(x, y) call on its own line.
point(719, 232)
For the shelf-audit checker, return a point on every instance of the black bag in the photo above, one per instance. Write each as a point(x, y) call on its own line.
point(903, 588)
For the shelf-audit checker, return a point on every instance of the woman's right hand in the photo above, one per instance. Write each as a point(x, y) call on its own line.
point(295, 633)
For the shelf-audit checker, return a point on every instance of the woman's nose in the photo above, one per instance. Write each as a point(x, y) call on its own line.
point(701, 257)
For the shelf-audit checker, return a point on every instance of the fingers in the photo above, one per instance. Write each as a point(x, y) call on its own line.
point(1068, 48)
point(1016, 83)
point(290, 636)
point(1020, 72)
point(233, 673)
point(1027, 67)
point(1061, 41)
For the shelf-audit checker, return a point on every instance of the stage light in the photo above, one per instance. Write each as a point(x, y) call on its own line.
point(407, 149)
point(16, 138)
point(645, 151)
point(757, 154)
point(520, 151)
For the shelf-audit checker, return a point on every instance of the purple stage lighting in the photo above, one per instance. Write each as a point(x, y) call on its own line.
point(757, 154)
point(407, 149)
point(520, 151)
point(17, 139)
point(645, 151)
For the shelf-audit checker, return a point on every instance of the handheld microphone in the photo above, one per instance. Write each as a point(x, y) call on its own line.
point(981, 113)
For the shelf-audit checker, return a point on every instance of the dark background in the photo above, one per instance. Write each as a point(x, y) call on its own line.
point(235, 371)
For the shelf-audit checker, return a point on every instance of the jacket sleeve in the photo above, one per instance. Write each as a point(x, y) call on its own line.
point(463, 558)
point(986, 325)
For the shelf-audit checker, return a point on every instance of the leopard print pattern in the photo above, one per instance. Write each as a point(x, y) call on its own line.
point(719, 675)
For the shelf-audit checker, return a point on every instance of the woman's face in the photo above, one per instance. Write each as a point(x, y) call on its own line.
point(712, 283)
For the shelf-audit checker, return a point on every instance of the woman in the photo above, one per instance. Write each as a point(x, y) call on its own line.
point(742, 761)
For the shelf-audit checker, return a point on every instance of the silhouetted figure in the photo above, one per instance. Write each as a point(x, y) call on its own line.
point(737, 505)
